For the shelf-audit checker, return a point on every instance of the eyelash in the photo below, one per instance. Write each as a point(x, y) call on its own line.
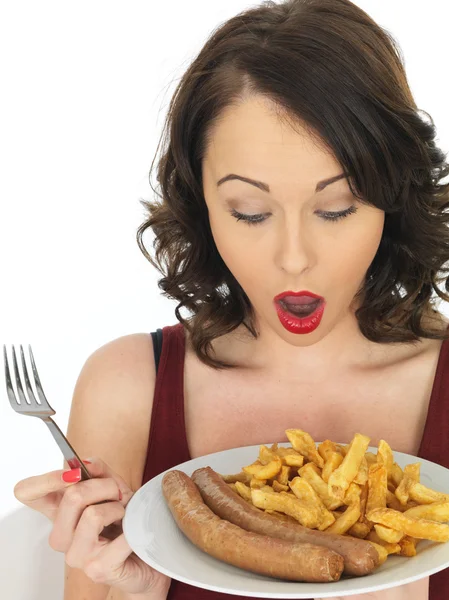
point(325, 215)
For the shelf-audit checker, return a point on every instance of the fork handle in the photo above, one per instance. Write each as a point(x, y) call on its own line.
point(110, 531)
point(69, 453)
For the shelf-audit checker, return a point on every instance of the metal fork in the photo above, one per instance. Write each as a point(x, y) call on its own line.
point(32, 408)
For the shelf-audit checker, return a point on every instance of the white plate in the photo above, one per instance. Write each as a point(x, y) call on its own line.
point(154, 536)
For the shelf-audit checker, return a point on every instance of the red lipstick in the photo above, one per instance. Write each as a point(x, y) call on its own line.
point(299, 312)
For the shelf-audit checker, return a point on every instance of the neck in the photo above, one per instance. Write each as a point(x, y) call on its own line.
point(343, 346)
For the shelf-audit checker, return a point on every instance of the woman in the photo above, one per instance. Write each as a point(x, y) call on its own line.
point(296, 161)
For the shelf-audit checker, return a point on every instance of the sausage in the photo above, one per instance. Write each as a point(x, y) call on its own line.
point(360, 557)
point(244, 549)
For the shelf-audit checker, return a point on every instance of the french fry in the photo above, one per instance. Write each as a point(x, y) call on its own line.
point(377, 487)
point(283, 475)
point(308, 472)
point(255, 483)
point(279, 487)
point(393, 502)
point(305, 492)
point(382, 552)
point(281, 516)
point(408, 546)
point(342, 449)
point(243, 490)
point(392, 536)
point(308, 467)
point(243, 477)
point(411, 476)
point(266, 455)
point(391, 487)
point(437, 511)
point(293, 460)
point(359, 530)
point(385, 456)
point(362, 476)
point(370, 458)
point(396, 474)
point(344, 475)
point(303, 443)
point(363, 500)
point(346, 520)
point(289, 505)
point(424, 495)
point(326, 449)
point(353, 494)
point(267, 471)
point(290, 456)
point(333, 461)
point(346, 490)
point(267, 488)
point(417, 528)
point(390, 548)
point(284, 450)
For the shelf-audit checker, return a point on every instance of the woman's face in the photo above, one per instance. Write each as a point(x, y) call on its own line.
point(308, 237)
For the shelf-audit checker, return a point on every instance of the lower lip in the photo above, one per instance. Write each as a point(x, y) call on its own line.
point(295, 324)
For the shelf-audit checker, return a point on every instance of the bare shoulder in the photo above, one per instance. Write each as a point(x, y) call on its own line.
point(419, 358)
point(112, 403)
point(437, 323)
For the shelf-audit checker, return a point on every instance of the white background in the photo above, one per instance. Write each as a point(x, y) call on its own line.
point(84, 90)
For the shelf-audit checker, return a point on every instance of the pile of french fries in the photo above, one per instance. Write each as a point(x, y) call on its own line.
point(346, 490)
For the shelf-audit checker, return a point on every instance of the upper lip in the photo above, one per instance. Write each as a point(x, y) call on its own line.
point(301, 293)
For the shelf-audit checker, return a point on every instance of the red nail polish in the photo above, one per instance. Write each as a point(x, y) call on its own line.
point(87, 462)
point(120, 495)
point(72, 476)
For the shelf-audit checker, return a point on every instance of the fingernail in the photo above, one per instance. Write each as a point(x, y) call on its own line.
point(72, 476)
point(87, 462)
point(120, 495)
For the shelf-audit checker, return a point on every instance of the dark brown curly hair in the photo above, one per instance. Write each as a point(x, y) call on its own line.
point(329, 66)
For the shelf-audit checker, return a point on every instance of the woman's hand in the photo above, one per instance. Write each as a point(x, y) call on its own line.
point(78, 521)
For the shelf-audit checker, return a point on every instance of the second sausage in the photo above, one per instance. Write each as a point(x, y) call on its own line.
point(360, 557)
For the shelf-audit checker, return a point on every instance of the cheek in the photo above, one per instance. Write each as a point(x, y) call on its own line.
point(357, 252)
point(231, 246)
point(246, 261)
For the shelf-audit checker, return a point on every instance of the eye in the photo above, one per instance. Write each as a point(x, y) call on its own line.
point(325, 215)
point(336, 216)
point(249, 219)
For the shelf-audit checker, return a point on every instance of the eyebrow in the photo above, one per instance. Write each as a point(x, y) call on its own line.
point(266, 188)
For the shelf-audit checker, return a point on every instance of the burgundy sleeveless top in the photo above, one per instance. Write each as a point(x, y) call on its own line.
point(168, 442)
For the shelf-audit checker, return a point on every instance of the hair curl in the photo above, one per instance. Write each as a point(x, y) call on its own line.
point(328, 65)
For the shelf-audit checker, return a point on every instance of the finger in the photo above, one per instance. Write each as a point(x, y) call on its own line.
point(37, 487)
point(85, 544)
point(107, 565)
point(99, 468)
point(117, 565)
point(73, 504)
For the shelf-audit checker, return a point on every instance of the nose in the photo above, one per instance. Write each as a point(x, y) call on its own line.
point(296, 252)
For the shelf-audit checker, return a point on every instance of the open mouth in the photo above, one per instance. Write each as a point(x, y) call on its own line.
point(300, 312)
point(302, 306)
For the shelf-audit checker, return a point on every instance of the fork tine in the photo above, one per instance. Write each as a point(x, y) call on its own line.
point(31, 396)
point(10, 390)
point(23, 398)
point(37, 381)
